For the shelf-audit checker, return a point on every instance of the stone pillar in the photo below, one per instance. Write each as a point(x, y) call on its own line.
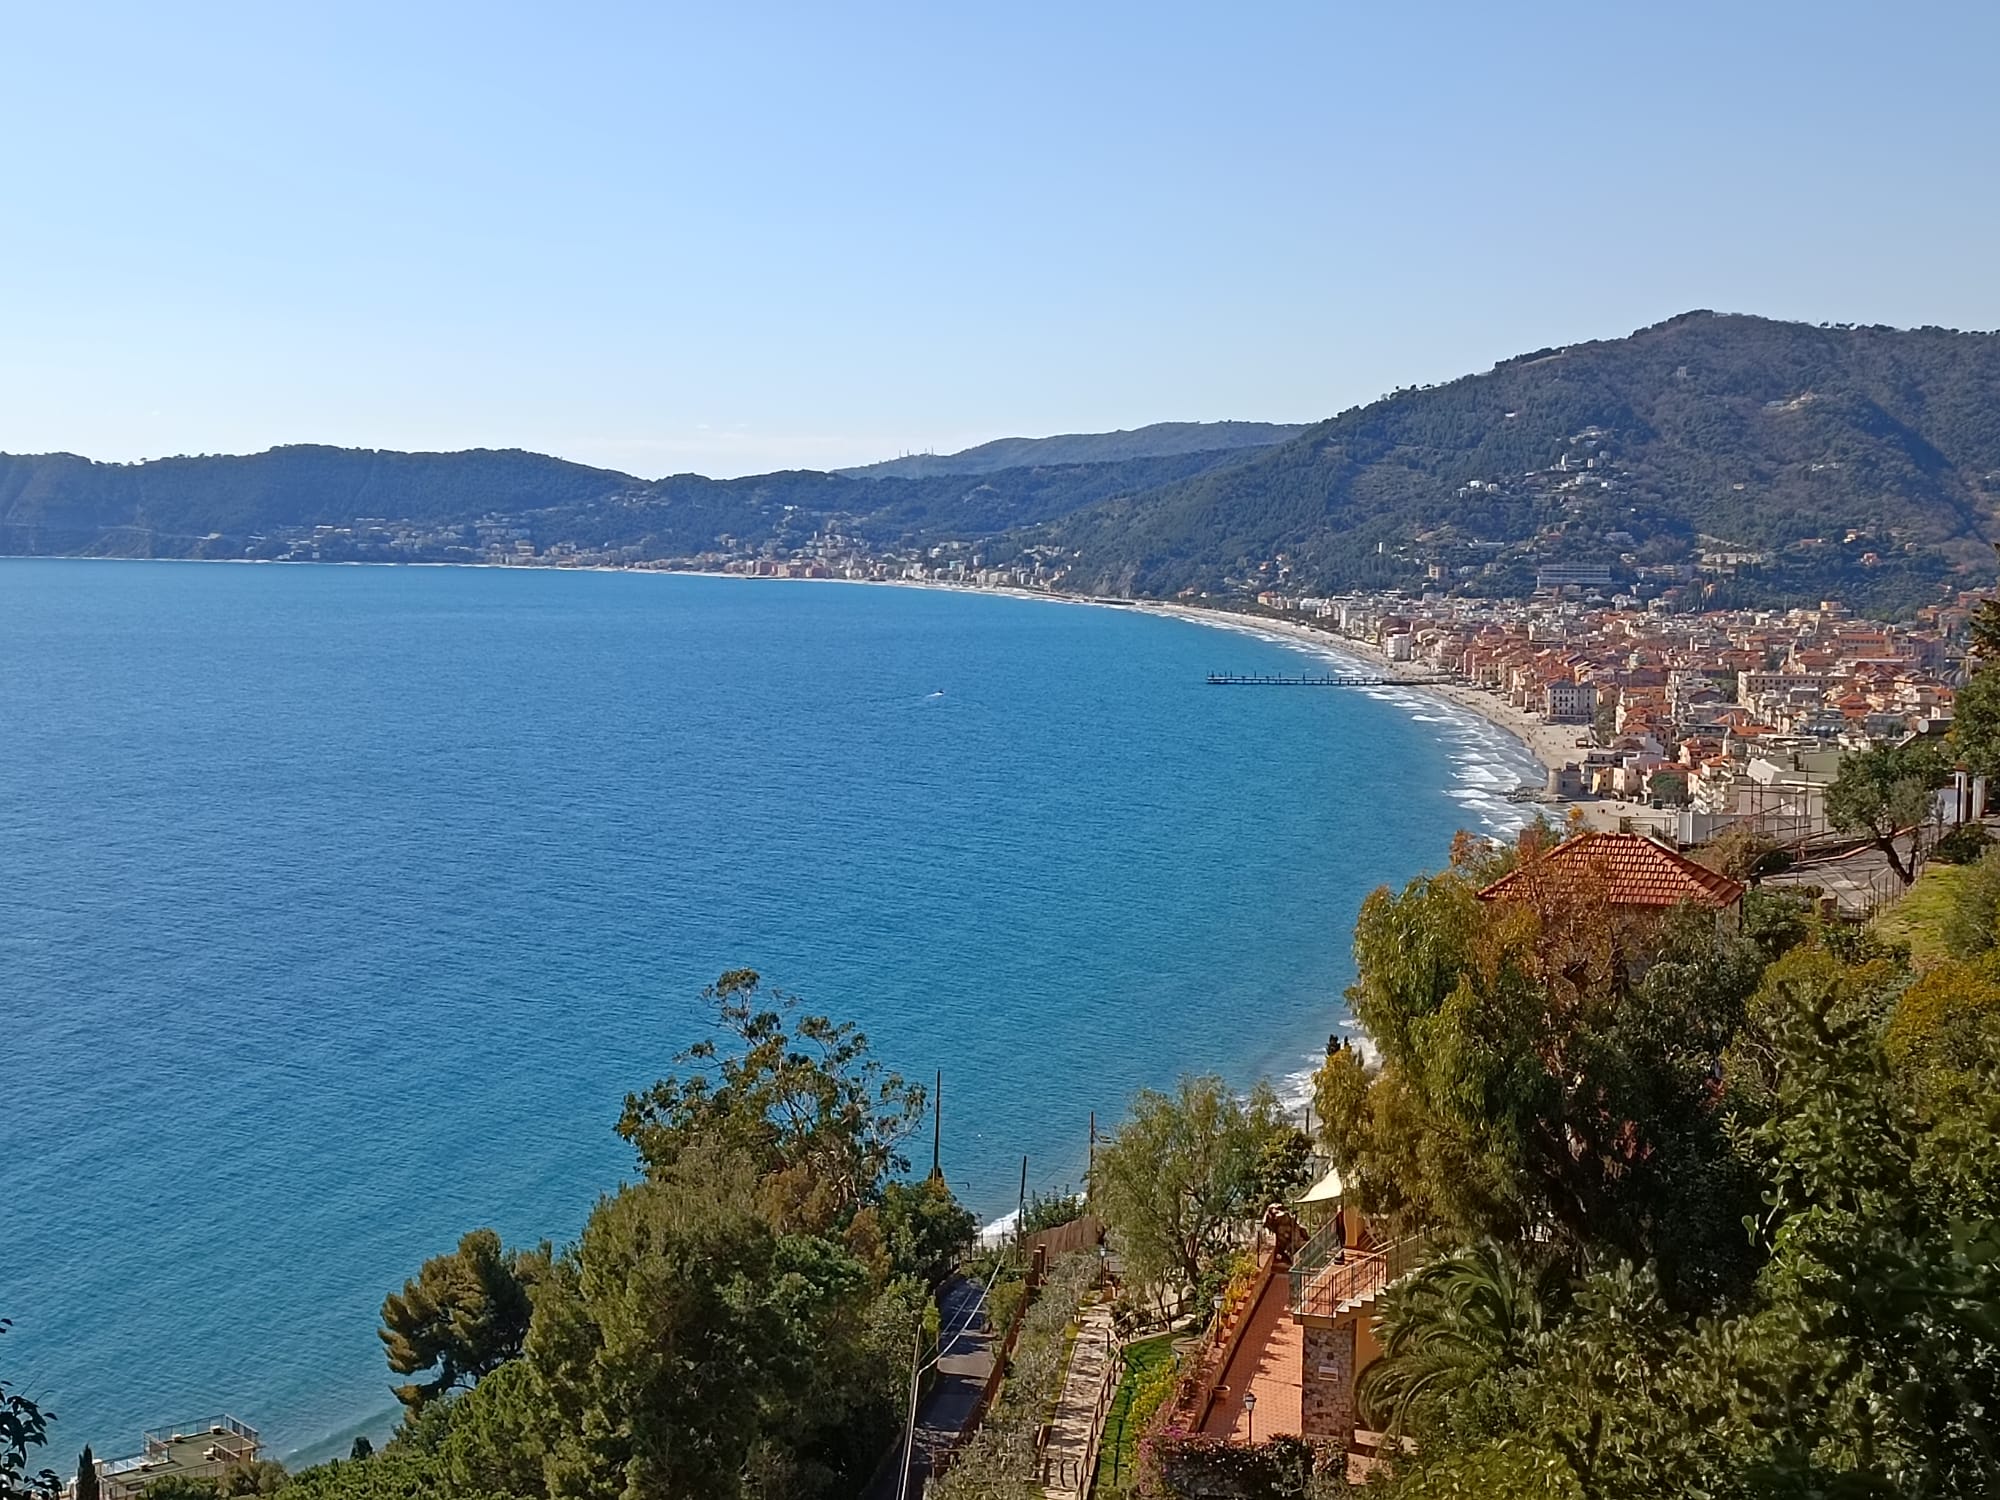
point(1326, 1384)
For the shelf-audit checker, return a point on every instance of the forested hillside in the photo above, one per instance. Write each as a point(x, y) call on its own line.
point(1705, 433)
point(687, 513)
point(58, 503)
point(1160, 440)
point(1761, 461)
point(439, 506)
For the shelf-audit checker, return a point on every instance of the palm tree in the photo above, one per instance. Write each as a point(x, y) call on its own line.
point(1463, 1317)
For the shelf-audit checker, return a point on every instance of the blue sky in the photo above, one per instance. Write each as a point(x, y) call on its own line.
point(739, 237)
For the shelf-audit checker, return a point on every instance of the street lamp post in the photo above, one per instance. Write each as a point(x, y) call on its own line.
point(1250, 1413)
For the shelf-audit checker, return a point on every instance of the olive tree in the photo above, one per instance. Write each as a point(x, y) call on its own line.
point(1183, 1171)
point(1884, 791)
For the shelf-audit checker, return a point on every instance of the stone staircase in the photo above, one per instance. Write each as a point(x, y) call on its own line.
point(1069, 1453)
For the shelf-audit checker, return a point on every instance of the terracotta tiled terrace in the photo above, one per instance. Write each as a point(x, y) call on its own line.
point(1267, 1363)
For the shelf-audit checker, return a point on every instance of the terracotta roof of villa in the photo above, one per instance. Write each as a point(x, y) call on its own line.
point(1637, 872)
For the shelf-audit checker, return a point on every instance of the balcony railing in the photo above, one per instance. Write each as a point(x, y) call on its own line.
point(227, 1427)
point(1328, 1278)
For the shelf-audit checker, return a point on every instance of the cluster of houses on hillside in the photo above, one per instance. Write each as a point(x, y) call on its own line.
point(1732, 716)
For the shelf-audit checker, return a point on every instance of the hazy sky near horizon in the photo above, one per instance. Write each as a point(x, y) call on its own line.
point(734, 238)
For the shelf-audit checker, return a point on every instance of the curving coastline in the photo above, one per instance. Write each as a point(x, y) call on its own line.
point(1548, 745)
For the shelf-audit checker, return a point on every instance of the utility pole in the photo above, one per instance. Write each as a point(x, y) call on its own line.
point(937, 1128)
point(1021, 1213)
point(1090, 1177)
point(910, 1429)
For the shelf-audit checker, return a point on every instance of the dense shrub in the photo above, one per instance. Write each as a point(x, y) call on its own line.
point(1205, 1468)
point(1963, 845)
point(1972, 918)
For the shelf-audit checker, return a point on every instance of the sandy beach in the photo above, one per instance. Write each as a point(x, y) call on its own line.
point(1553, 745)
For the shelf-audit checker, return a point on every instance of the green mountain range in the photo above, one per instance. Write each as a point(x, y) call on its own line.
point(1160, 440)
point(1866, 459)
point(1735, 457)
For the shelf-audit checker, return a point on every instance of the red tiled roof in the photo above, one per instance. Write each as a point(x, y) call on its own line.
point(1636, 871)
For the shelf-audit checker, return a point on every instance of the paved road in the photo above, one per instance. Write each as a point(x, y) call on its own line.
point(1862, 883)
point(965, 1362)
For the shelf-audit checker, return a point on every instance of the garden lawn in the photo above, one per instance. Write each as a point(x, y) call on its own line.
point(1117, 1456)
point(1918, 919)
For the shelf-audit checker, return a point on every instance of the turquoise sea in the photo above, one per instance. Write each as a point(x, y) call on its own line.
point(339, 908)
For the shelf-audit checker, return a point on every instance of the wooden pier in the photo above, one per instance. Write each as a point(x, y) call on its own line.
point(1329, 679)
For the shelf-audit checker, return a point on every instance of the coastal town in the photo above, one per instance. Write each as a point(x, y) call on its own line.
point(1001, 753)
point(1725, 714)
point(1684, 726)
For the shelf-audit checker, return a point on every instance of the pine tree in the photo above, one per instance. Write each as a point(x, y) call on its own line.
point(86, 1475)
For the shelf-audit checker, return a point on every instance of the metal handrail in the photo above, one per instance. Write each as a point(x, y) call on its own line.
point(1327, 1244)
point(200, 1427)
point(1322, 1290)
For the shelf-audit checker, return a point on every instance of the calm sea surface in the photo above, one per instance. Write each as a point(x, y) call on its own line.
point(339, 908)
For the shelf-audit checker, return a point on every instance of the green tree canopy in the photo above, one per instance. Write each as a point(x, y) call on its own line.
point(695, 1349)
point(24, 1427)
point(1547, 1068)
point(1862, 1358)
point(923, 1228)
point(737, 1325)
point(1668, 787)
point(463, 1315)
point(1184, 1168)
point(182, 1487)
point(1975, 723)
point(798, 1096)
point(1883, 792)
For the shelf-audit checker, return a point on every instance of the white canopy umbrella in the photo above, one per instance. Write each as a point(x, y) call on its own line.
point(1327, 1190)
